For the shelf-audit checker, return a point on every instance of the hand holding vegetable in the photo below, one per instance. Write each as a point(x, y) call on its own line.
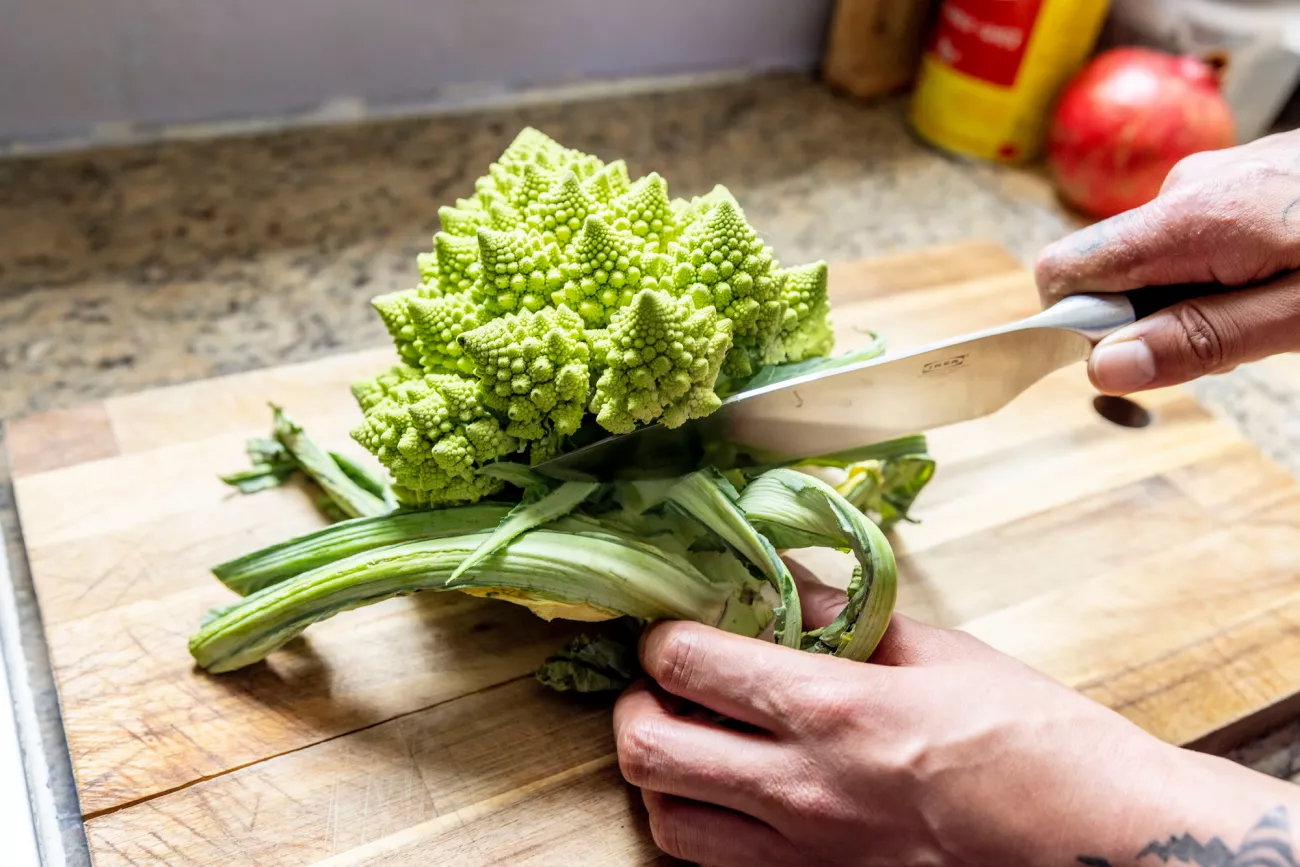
point(1229, 216)
point(941, 751)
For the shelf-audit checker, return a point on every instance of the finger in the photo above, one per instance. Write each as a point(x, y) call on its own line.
point(909, 642)
point(678, 755)
point(755, 682)
point(1200, 337)
point(820, 603)
point(1202, 233)
point(705, 834)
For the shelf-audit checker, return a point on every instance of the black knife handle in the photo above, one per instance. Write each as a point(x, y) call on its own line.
point(1153, 299)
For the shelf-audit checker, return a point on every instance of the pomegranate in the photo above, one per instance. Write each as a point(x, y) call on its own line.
point(1125, 119)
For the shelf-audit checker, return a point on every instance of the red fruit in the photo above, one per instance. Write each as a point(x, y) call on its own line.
point(1124, 121)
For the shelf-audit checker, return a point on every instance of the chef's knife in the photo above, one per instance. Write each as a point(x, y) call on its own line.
point(855, 405)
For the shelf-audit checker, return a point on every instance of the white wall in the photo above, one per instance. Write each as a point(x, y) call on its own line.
point(70, 66)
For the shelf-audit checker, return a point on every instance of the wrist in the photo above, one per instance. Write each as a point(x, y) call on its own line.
point(1097, 785)
point(1192, 803)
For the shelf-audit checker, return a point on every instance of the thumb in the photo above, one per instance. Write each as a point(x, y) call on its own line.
point(1198, 337)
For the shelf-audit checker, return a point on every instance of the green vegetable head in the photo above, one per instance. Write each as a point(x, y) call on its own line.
point(567, 296)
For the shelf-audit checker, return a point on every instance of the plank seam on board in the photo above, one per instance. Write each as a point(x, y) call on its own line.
point(393, 842)
point(106, 811)
point(1240, 653)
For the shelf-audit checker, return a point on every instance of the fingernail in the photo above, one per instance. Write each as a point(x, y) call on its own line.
point(1124, 366)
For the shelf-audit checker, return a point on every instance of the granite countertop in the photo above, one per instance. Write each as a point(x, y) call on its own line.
point(134, 267)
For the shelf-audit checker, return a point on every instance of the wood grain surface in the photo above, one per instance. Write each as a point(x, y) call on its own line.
point(1155, 569)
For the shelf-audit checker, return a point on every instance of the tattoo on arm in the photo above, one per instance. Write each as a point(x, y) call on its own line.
point(1092, 238)
point(1287, 212)
point(1267, 844)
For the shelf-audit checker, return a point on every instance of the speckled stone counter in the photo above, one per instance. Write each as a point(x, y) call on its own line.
point(130, 268)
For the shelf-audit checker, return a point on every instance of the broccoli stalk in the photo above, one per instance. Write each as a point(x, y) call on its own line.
point(545, 555)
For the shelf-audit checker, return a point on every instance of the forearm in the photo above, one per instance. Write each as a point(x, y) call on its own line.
point(1212, 813)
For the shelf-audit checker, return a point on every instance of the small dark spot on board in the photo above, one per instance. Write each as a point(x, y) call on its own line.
point(485, 626)
point(1121, 411)
point(115, 362)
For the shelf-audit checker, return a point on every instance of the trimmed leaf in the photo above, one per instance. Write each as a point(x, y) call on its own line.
point(534, 511)
point(711, 499)
point(817, 516)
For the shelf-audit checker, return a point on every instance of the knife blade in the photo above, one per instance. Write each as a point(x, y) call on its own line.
point(853, 406)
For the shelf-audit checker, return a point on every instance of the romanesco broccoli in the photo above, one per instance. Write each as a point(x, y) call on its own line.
point(561, 288)
point(646, 212)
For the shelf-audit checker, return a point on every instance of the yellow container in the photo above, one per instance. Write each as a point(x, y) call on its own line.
point(993, 70)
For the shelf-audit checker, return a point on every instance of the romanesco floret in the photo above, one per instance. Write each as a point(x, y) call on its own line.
point(559, 212)
point(533, 368)
point(455, 266)
point(646, 212)
point(806, 329)
point(531, 186)
point(437, 323)
point(609, 183)
point(721, 262)
point(518, 272)
point(560, 271)
point(606, 270)
point(661, 356)
point(504, 218)
point(392, 312)
point(369, 393)
point(432, 434)
point(461, 221)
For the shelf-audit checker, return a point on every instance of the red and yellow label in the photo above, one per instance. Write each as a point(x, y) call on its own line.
point(993, 69)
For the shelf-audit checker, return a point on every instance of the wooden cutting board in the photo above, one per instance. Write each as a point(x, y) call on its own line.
point(1155, 569)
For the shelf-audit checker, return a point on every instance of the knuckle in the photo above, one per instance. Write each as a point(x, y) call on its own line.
point(637, 744)
point(824, 712)
point(1185, 169)
point(809, 801)
point(1196, 207)
point(1047, 268)
point(676, 659)
point(1204, 342)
